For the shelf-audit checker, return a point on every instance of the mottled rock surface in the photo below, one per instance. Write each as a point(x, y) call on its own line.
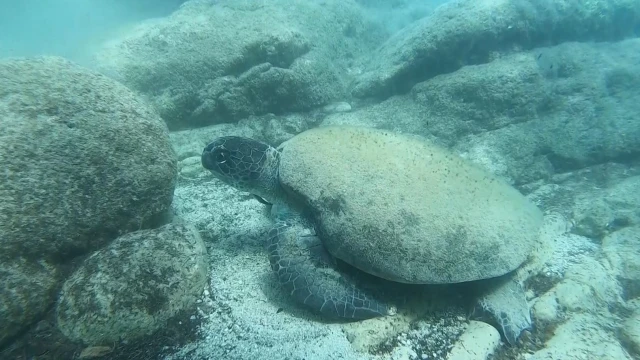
point(134, 285)
point(27, 287)
point(84, 159)
point(215, 62)
point(608, 207)
point(528, 115)
point(466, 32)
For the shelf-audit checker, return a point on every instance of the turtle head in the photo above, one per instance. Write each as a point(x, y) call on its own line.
point(246, 164)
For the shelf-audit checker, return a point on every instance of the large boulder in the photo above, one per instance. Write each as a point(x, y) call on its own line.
point(527, 115)
point(213, 62)
point(585, 114)
point(133, 286)
point(622, 249)
point(464, 32)
point(631, 327)
point(84, 159)
point(26, 289)
point(599, 213)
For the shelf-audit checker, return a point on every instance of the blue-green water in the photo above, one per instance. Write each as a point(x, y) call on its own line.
point(69, 28)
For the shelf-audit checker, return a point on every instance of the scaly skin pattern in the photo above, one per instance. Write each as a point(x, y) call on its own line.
point(245, 164)
point(310, 279)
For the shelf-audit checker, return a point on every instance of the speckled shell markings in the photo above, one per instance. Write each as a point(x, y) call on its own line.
point(403, 209)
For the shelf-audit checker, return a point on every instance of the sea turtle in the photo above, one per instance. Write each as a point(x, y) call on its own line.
point(394, 206)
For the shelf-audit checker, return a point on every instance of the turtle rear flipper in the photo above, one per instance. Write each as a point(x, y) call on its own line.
point(304, 268)
point(505, 301)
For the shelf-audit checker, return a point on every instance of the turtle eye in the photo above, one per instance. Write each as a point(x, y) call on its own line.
point(222, 156)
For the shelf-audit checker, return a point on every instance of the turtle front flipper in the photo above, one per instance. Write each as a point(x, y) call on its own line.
point(306, 270)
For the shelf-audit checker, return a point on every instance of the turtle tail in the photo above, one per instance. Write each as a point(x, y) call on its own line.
point(308, 273)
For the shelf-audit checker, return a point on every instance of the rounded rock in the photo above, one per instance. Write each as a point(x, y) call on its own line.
point(133, 286)
point(84, 159)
